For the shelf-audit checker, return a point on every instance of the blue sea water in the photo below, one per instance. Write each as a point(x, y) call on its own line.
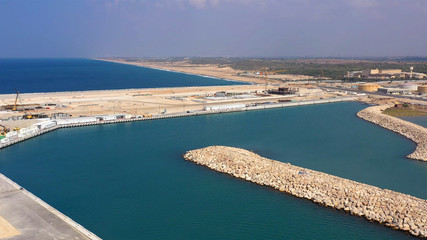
point(54, 75)
point(420, 120)
point(129, 181)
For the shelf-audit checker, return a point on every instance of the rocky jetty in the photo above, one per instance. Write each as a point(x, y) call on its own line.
point(393, 209)
point(410, 130)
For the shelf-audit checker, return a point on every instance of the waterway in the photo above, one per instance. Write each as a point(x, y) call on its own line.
point(129, 181)
point(420, 120)
point(55, 75)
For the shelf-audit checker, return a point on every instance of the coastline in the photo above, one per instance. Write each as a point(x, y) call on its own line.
point(181, 114)
point(414, 132)
point(140, 64)
point(209, 71)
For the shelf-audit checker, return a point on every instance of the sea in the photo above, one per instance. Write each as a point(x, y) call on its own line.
point(57, 75)
point(420, 120)
point(129, 180)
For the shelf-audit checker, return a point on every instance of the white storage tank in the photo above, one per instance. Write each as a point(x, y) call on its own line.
point(409, 86)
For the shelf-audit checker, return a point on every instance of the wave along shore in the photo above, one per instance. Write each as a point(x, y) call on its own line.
point(393, 209)
point(407, 129)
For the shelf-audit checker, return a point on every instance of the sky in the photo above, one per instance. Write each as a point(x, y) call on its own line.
point(212, 28)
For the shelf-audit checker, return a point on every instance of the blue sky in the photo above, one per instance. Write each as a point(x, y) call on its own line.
point(231, 28)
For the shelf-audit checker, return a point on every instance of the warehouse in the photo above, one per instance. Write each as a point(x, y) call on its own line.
point(224, 107)
point(76, 120)
point(394, 91)
point(45, 124)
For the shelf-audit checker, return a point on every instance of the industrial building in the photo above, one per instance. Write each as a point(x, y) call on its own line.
point(76, 120)
point(410, 86)
point(385, 74)
point(284, 91)
point(45, 124)
point(422, 89)
point(368, 87)
point(394, 91)
point(224, 107)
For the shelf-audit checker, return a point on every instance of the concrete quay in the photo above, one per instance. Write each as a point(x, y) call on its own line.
point(185, 114)
point(414, 132)
point(393, 209)
point(32, 218)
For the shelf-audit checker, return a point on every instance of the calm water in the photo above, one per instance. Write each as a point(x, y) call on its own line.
point(53, 75)
point(420, 120)
point(128, 181)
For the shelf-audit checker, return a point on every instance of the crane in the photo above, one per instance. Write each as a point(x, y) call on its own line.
point(16, 100)
point(266, 73)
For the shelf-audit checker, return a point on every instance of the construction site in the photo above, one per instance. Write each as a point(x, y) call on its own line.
point(23, 115)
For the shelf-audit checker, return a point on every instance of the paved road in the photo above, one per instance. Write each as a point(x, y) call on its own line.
point(374, 93)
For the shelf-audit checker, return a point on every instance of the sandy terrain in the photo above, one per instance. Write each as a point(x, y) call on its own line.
point(214, 71)
point(6, 229)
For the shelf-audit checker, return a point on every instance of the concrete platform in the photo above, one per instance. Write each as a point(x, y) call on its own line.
point(33, 218)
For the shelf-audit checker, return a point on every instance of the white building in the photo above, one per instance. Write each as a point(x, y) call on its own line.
point(76, 120)
point(45, 124)
point(225, 107)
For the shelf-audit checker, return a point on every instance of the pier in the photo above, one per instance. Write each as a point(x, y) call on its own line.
point(393, 209)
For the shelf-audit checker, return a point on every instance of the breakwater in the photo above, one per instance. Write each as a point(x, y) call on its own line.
point(409, 130)
point(393, 209)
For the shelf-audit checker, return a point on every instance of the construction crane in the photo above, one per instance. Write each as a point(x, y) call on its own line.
point(266, 73)
point(16, 100)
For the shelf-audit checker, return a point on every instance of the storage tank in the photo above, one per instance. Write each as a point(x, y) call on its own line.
point(422, 89)
point(409, 86)
point(368, 87)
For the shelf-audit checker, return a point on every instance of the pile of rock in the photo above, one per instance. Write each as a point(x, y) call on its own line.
point(393, 209)
point(412, 131)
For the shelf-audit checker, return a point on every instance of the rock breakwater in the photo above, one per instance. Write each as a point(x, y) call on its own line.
point(393, 209)
point(414, 132)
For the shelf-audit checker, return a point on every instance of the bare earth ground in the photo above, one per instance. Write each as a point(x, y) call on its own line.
point(130, 101)
point(157, 100)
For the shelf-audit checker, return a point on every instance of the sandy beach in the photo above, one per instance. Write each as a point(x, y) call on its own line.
point(211, 70)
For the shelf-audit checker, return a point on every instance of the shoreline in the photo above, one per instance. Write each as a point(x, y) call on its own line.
point(182, 114)
point(123, 89)
point(140, 64)
point(413, 132)
point(212, 72)
point(393, 209)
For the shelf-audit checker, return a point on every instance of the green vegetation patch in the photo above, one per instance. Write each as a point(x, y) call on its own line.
point(404, 112)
